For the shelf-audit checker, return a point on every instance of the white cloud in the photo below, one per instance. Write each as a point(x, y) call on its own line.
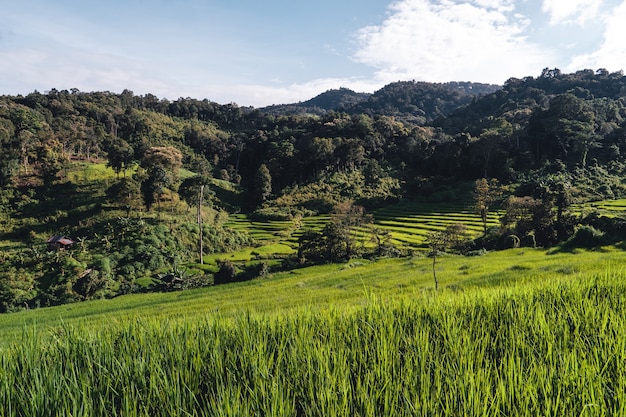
point(500, 5)
point(445, 40)
point(565, 11)
point(21, 73)
point(612, 53)
point(264, 95)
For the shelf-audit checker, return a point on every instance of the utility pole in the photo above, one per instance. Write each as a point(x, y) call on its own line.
point(200, 220)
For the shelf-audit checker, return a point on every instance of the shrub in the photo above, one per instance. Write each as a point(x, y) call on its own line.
point(227, 273)
point(586, 236)
point(271, 214)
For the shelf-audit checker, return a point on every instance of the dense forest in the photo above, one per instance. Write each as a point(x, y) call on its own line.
point(532, 146)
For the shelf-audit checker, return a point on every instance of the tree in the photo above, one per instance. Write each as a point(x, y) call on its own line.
point(168, 157)
point(321, 153)
point(154, 186)
point(51, 161)
point(349, 154)
point(557, 189)
point(452, 237)
point(120, 154)
point(530, 218)
point(486, 192)
point(190, 187)
point(262, 184)
point(227, 273)
point(334, 243)
point(566, 130)
point(328, 245)
point(346, 216)
point(490, 141)
point(125, 192)
point(27, 125)
point(9, 158)
point(163, 164)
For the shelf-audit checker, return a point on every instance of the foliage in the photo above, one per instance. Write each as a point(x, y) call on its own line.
point(335, 242)
point(585, 237)
point(124, 192)
point(452, 237)
point(485, 194)
point(227, 273)
point(551, 141)
point(262, 185)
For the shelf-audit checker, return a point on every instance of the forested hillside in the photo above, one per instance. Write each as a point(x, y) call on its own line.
point(538, 145)
point(410, 101)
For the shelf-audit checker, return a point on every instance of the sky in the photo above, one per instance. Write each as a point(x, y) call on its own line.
point(258, 53)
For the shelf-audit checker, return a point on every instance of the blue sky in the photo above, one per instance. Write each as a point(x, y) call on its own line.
point(256, 53)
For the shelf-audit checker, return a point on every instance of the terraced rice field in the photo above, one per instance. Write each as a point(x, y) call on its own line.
point(285, 231)
point(408, 223)
point(606, 207)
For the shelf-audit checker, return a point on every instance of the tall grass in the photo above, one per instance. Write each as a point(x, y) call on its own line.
point(548, 349)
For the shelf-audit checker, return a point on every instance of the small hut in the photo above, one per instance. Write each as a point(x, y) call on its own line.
point(58, 242)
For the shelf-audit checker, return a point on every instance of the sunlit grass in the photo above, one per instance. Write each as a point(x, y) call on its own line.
point(536, 347)
point(248, 254)
point(90, 172)
point(326, 285)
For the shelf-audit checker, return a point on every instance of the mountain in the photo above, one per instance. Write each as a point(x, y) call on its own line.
point(331, 100)
point(419, 102)
point(520, 99)
point(410, 101)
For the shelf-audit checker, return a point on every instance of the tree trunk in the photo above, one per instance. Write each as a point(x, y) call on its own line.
point(483, 216)
point(435, 272)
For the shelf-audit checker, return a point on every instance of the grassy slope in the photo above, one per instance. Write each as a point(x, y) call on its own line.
point(551, 342)
point(322, 286)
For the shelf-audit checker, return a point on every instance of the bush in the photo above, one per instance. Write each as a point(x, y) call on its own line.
point(227, 273)
point(586, 237)
point(271, 214)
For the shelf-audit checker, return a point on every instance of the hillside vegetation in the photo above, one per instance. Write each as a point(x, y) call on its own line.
point(146, 187)
point(429, 249)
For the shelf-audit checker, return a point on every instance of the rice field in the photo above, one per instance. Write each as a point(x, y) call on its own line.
point(408, 223)
point(609, 208)
point(542, 348)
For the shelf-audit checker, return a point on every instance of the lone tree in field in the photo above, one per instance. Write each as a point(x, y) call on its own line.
point(452, 237)
point(347, 216)
point(530, 219)
point(486, 192)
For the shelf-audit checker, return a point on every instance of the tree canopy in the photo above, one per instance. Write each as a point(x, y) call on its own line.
point(547, 141)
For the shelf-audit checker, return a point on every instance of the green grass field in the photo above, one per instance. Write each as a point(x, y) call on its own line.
point(518, 332)
point(322, 286)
